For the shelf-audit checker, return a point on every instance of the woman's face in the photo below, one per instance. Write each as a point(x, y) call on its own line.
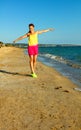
point(31, 28)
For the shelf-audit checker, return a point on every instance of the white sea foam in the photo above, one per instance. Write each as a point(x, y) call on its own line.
point(61, 60)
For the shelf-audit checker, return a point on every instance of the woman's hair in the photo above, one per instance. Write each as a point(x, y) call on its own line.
point(31, 25)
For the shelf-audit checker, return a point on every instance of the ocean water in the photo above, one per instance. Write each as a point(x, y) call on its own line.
point(65, 59)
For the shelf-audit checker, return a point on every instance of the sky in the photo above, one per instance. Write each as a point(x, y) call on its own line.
point(63, 15)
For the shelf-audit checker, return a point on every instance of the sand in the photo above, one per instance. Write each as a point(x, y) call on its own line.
point(48, 102)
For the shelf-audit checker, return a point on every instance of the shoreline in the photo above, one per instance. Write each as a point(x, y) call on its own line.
point(59, 67)
point(48, 102)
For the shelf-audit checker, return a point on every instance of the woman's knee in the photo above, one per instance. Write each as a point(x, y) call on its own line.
point(31, 59)
point(34, 60)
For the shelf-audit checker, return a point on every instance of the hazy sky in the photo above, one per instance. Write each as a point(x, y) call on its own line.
point(63, 15)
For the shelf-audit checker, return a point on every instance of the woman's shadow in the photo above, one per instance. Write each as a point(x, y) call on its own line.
point(14, 73)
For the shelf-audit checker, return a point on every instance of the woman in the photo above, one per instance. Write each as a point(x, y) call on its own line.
point(32, 46)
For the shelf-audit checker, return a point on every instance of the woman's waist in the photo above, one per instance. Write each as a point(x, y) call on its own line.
point(35, 44)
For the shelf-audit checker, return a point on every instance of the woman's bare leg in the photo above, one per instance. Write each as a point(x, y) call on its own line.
point(34, 61)
point(31, 63)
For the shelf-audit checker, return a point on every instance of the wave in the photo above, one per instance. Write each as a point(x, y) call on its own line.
point(61, 60)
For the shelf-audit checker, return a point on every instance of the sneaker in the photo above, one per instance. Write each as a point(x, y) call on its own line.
point(34, 75)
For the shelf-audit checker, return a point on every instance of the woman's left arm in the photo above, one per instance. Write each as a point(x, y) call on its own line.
point(46, 30)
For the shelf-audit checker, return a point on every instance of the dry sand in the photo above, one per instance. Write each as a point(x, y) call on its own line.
point(48, 102)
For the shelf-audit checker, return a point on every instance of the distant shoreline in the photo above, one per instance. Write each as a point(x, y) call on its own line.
point(41, 45)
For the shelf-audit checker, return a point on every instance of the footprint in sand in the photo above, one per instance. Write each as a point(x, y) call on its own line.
point(58, 87)
point(43, 85)
point(63, 90)
point(66, 91)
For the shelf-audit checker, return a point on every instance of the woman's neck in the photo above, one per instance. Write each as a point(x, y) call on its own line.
point(32, 32)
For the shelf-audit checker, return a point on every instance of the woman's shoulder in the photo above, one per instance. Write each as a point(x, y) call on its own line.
point(36, 32)
point(28, 34)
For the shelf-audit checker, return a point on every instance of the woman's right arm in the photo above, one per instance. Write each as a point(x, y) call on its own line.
point(20, 38)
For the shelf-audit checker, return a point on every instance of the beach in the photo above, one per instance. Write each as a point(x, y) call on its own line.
point(48, 102)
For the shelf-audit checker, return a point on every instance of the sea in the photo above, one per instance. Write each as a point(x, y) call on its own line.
point(66, 59)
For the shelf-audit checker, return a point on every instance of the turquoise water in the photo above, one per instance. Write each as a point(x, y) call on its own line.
point(66, 59)
point(71, 53)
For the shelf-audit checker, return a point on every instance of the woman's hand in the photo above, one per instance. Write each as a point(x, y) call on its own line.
point(51, 29)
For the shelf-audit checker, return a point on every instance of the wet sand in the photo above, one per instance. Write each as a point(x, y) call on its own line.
point(48, 102)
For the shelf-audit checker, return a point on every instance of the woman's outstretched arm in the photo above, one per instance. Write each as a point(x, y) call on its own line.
point(46, 30)
point(20, 38)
